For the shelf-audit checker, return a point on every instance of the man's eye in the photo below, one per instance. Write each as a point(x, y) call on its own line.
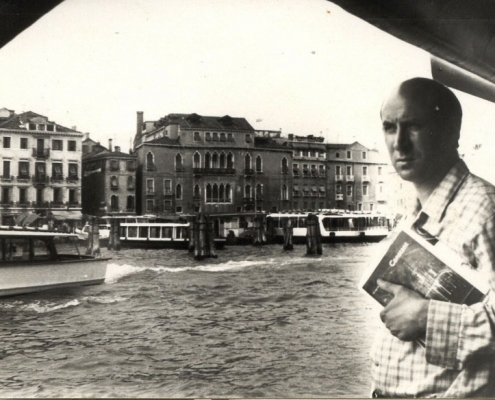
point(389, 128)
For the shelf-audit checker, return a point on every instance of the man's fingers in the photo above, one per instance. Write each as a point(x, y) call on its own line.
point(388, 286)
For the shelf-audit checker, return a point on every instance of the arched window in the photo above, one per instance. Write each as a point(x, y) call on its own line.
point(208, 193)
point(197, 192)
point(214, 160)
point(196, 160)
point(130, 182)
point(178, 191)
point(130, 203)
point(222, 161)
point(247, 161)
point(178, 162)
point(114, 182)
point(285, 166)
point(285, 193)
point(215, 193)
point(114, 203)
point(207, 160)
point(230, 161)
point(259, 164)
point(228, 193)
point(247, 191)
point(221, 194)
point(149, 161)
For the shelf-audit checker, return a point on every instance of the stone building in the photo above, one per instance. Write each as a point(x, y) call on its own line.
point(356, 178)
point(189, 163)
point(109, 180)
point(41, 164)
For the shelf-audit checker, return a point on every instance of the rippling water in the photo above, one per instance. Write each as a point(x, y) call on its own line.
point(256, 322)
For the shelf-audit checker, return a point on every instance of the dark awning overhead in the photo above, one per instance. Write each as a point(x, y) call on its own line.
point(460, 32)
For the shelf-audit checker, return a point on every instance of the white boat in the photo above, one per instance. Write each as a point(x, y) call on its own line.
point(103, 232)
point(156, 232)
point(35, 260)
point(334, 226)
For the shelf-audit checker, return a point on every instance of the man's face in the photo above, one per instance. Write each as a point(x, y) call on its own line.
point(415, 143)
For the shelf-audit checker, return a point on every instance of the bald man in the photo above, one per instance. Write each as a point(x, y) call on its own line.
point(421, 122)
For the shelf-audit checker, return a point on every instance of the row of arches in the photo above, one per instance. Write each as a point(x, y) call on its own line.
point(216, 160)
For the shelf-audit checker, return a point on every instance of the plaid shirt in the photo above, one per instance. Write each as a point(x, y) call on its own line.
point(459, 357)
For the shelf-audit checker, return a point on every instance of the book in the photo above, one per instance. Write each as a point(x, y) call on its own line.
point(422, 263)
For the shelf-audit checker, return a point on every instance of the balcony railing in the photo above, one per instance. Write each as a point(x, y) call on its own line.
point(296, 194)
point(150, 192)
point(248, 200)
point(339, 177)
point(248, 171)
point(57, 178)
point(72, 178)
point(339, 196)
point(23, 178)
point(349, 178)
point(41, 153)
point(214, 171)
point(40, 180)
point(366, 178)
point(6, 203)
point(114, 187)
point(7, 178)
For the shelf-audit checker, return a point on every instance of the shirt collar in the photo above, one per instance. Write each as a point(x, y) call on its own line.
point(441, 197)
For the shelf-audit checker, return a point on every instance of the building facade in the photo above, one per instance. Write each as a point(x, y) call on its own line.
point(109, 180)
point(356, 178)
point(41, 167)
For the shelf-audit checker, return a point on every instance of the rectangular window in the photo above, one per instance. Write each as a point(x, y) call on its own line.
point(50, 128)
point(364, 155)
point(22, 195)
point(178, 209)
point(167, 204)
point(5, 195)
point(230, 137)
point(379, 170)
point(208, 136)
point(24, 143)
point(6, 169)
point(150, 205)
point(349, 154)
point(71, 145)
point(167, 186)
point(114, 165)
point(348, 170)
point(57, 170)
point(248, 138)
point(365, 171)
point(150, 186)
point(365, 190)
point(57, 195)
point(72, 196)
point(371, 207)
point(349, 191)
point(73, 171)
point(57, 144)
point(23, 168)
point(197, 137)
point(131, 165)
point(6, 142)
point(215, 136)
point(32, 127)
point(338, 189)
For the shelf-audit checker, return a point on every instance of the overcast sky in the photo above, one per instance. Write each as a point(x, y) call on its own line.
point(303, 66)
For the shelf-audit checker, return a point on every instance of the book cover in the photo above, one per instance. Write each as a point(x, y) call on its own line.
point(427, 267)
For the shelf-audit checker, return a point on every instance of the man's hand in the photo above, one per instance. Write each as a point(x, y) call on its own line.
point(406, 314)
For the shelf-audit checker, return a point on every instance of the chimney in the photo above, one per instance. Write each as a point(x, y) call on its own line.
point(139, 130)
point(117, 149)
point(86, 136)
point(110, 144)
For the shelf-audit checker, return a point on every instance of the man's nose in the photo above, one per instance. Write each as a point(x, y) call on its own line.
point(402, 140)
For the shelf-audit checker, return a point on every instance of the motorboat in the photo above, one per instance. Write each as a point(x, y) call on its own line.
point(34, 260)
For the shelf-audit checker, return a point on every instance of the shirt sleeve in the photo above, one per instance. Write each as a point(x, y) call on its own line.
point(456, 334)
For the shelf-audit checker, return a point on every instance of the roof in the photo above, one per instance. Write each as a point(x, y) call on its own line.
point(196, 121)
point(164, 140)
point(18, 121)
point(107, 154)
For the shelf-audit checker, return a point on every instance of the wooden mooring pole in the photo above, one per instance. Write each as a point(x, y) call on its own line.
point(259, 231)
point(93, 237)
point(288, 234)
point(313, 235)
point(204, 238)
point(116, 235)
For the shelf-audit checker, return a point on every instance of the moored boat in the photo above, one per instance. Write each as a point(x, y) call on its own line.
point(335, 226)
point(36, 260)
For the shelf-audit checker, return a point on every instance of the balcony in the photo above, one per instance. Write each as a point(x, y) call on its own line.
point(57, 204)
point(314, 173)
point(6, 203)
point(339, 178)
point(23, 178)
point(57, 179)
point(248, 171)
point(196, 198)
point(366, 178)
point(168, 193)
point(7, 178)
point(214, 171)
point(296, 194)
point(72, 203)
point(295, 172)
point(72, 179)
point(114, 187)
point(41, 154)
point(248, 200)
point(306, 194)
point(314, 194)
point(349, 178)
point(150, 192)
point(339, 196)
point(40, 180)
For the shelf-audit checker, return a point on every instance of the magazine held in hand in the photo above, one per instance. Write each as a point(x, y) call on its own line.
point(427, 266)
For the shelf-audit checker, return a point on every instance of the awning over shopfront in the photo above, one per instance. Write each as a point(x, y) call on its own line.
point(62, 215)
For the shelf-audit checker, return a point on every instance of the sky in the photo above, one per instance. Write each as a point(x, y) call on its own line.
point(301, 66)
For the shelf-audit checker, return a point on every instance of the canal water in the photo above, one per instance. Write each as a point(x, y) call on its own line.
point(255, 322)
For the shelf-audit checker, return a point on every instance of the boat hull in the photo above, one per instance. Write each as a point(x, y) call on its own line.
point(179, 244)
point(39, 276)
